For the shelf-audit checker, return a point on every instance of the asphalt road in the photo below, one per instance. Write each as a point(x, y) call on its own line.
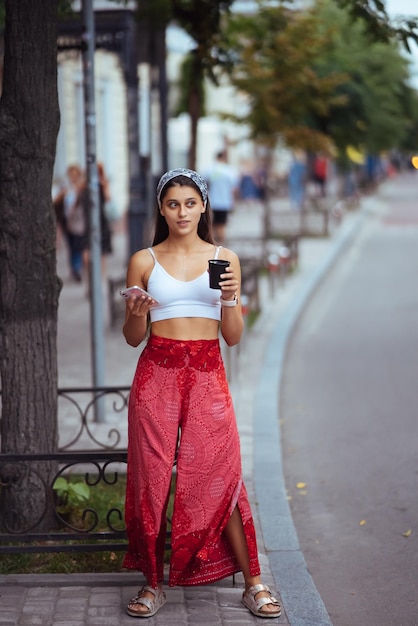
point(349, 410)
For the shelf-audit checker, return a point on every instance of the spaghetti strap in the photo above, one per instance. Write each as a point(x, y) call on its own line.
point(217, 252)
point(152, 253)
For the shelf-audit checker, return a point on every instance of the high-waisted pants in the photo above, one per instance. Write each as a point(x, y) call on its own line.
point(180, 407)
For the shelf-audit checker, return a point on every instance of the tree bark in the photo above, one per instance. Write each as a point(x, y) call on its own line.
point(29, 286)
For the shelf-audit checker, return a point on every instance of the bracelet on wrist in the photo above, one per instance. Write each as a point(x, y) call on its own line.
point(230, 303)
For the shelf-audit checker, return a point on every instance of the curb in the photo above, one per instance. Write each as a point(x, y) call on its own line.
point(304, 605)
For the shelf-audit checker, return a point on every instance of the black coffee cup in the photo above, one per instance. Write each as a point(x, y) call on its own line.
point(216, 268)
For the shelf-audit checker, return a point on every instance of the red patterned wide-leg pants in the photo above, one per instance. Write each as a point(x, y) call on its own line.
point(180, 390)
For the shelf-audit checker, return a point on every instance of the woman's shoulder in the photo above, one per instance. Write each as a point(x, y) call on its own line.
point(227, 253)
point(142, 257)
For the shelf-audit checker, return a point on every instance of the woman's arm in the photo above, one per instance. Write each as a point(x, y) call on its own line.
point(232, 322)
point(137, 308)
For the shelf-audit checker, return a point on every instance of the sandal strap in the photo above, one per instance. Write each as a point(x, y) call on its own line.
point(139, 599)
point(254, 589)
point(155, 592)
point(263, 601)
point(149, 604)
point(260, 602)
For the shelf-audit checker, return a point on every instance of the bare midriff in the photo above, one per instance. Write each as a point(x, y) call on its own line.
point(186, 328)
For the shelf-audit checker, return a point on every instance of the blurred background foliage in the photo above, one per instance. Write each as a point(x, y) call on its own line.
point(378, 26)
point(332, 75)
point(329, 76)
point(320, 81)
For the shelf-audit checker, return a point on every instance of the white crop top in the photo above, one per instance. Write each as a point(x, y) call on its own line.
point(179, 298)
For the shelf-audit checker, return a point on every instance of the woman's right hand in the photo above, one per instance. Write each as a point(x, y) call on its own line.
point(139, 305)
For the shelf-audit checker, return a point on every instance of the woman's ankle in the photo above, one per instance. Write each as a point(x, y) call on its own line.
point(251, 581)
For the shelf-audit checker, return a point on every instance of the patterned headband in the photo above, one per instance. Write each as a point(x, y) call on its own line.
point(181, 171)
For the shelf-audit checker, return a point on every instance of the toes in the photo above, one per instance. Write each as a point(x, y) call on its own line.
point(267, 608)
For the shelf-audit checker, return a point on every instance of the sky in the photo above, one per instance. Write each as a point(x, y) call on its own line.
point(402, 6)
point(410, 8)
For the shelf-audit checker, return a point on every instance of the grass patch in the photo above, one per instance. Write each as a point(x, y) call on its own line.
point(61, 562)
point(72, 500)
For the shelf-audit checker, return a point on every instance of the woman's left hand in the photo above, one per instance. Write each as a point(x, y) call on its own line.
point(229, 284)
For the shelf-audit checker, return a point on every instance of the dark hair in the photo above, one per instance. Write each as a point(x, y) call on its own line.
point(204, 229)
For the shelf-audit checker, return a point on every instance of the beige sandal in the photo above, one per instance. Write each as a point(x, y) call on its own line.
point(153, 605)
point(255, 605)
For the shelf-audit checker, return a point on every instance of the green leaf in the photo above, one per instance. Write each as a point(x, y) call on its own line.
point(80, 490)
point(61, 484)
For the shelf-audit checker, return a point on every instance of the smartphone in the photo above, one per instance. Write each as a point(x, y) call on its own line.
point(130, 292)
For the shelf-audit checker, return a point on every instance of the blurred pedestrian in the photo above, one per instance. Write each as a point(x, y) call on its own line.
point(320, 172)
point(249, 191)
point(223, 181)
point(110, 207)
point(297, 180)
point(72, 208)
point(71, 217)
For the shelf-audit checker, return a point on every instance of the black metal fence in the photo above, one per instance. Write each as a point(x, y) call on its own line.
point(91, 457)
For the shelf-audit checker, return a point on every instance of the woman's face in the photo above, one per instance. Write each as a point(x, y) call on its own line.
point(74, 175)
point(182, 208)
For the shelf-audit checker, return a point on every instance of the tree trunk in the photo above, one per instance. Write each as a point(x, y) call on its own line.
point(29, 286)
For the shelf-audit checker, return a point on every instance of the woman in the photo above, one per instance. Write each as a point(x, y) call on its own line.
point(180, 407)
point(71, 216)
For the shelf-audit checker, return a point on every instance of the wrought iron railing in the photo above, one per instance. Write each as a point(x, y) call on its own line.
point(90, 456)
